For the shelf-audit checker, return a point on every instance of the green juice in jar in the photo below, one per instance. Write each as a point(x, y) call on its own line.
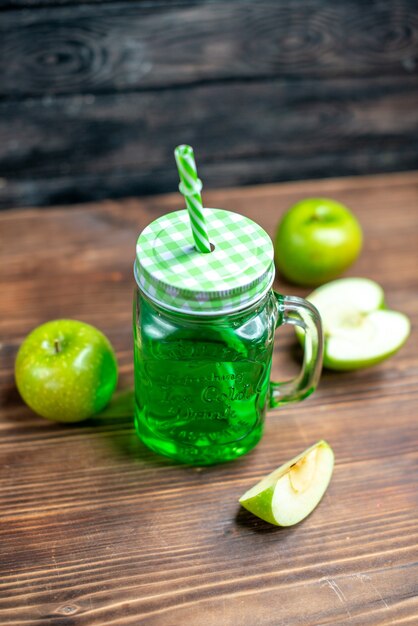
point(204, 327)
point(202, 386)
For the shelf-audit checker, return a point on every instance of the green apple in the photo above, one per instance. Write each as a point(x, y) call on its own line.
point(317, 239)
point(66, 370)
point(358, 330)
point(287, 495)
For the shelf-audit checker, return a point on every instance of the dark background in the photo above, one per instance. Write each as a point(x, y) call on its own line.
point(95, 95)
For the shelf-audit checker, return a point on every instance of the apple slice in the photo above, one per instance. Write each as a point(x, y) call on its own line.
point(291, 492)
point(358, 330)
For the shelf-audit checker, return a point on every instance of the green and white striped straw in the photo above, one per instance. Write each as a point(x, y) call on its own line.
point(190, 187)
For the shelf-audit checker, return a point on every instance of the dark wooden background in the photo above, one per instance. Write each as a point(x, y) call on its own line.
point(95, 95)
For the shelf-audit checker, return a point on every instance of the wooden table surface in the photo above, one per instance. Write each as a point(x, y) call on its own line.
point(97, 530)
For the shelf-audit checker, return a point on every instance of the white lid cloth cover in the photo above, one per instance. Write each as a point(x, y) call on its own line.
point(173, 273)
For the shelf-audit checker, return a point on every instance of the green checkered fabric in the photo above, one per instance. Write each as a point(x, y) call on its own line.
point(235, 274)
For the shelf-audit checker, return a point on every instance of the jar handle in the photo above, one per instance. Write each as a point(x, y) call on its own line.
point(301, 313)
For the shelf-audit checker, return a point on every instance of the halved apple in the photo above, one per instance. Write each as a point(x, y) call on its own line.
point(358, 330)
point(291, 492)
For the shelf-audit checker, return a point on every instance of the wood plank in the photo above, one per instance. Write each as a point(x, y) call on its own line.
point(70, 148)
point(9, 5)
point(89, 90)
point(123, 46)
point(98, 530)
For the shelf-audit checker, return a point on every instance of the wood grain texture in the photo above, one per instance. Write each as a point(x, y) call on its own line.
point(62, 149)
point(135, 46)
point(98, 530)
point(94, 98)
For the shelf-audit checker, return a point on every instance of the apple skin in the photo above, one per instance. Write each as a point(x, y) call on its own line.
point(366, 301)
point(66, 370)
point(275, 502)
point(317, 239)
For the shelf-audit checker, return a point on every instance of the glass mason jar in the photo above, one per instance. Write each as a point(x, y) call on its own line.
point(202, 357)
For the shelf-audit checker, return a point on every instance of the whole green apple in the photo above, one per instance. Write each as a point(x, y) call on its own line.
point(317, 239)
point(66, 370)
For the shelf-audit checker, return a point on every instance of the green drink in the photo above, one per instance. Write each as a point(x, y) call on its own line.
point(204, 328)
point(202, 390)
